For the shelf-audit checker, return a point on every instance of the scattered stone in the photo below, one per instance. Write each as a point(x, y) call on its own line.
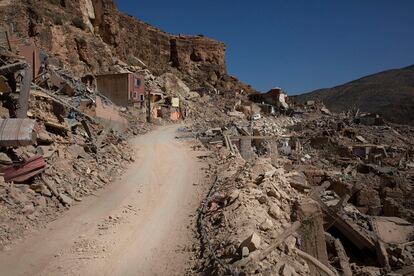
point(245, 252)
point(43, 138)
point(274, 211)
point(287, 270)
point(66, 200)
point(41, 203)
point(262, 199)
point(28, 209)
point(266, 225)
point(252, 242)
point(5, 159)
point(234, 195)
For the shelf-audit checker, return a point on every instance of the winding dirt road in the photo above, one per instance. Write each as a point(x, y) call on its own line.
point(138, 225)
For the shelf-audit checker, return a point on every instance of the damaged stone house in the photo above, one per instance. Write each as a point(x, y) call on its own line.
point(274, 100)
point(123, 89)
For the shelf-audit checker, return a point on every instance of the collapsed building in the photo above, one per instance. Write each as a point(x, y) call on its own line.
point(60, 140)
point(315, 193)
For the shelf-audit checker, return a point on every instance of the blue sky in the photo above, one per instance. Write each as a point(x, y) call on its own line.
point(299, 45)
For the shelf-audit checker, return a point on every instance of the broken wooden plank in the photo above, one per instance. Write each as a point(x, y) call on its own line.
point(56, 127)
point(24, 93)
point(23, 172)
point(343, 258)
point(315, 262)
point(11, 68)
point(262, 255)
point(252, 137)
point(382, 255)
point(405, 271)
point(87, 129)
point(342, 202)
point(350, 230)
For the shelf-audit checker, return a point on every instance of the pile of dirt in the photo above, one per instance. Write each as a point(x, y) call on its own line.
point(54, 154)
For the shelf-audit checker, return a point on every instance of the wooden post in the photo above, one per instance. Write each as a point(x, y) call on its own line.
point(24, 93)
point(274, 154)
point(149, 115)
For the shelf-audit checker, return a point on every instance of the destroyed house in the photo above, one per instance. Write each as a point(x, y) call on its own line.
point(123, 89)
point(275, 97)
point(26, 49)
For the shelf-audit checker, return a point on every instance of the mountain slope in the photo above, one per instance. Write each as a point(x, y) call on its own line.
point(389, 93)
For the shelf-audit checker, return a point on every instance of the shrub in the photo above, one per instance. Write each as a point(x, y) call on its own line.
point(78, 23)
point(80, 41)
point(57, 19)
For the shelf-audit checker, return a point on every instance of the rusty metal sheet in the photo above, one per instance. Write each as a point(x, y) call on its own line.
point(27, 169)
point(17, 132)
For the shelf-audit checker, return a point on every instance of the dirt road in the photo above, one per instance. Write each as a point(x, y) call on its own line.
point(138, 225)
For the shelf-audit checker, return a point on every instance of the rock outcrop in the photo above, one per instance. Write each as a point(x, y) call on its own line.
point(91, 36)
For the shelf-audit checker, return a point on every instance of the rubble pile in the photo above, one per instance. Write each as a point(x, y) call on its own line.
point(312, 193)
point(52, 154)
point(248, 211)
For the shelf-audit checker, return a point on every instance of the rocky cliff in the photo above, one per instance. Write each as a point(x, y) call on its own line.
point(92, 36)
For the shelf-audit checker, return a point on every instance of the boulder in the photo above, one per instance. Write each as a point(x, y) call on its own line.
point(172, 85)
point(245, 252)
point(65, 199)
point(43, 138)
point(274, 211)
point(266, 225)
point(252, 242)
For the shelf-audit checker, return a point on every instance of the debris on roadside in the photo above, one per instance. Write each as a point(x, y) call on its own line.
point(349, 183)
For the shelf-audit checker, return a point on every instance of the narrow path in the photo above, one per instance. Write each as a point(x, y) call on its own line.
point(138, 225)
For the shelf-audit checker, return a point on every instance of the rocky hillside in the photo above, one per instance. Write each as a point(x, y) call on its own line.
point(389, 93)
point(92, 36)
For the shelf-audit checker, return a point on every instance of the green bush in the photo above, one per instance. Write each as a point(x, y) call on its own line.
point(78, 23)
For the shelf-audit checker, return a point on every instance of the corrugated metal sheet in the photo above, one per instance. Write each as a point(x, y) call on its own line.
point(26, 170)
point(17, 132)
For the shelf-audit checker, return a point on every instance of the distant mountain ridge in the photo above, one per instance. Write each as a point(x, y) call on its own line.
point(389, 93)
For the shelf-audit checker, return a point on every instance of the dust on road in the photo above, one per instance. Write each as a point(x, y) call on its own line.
point(138, 225)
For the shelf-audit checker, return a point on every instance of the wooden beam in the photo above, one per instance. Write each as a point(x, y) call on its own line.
point(24, 93)
point(262, 255)
point(315, 262)
point(343, 258)
point(11, 68)
point(253, 137)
